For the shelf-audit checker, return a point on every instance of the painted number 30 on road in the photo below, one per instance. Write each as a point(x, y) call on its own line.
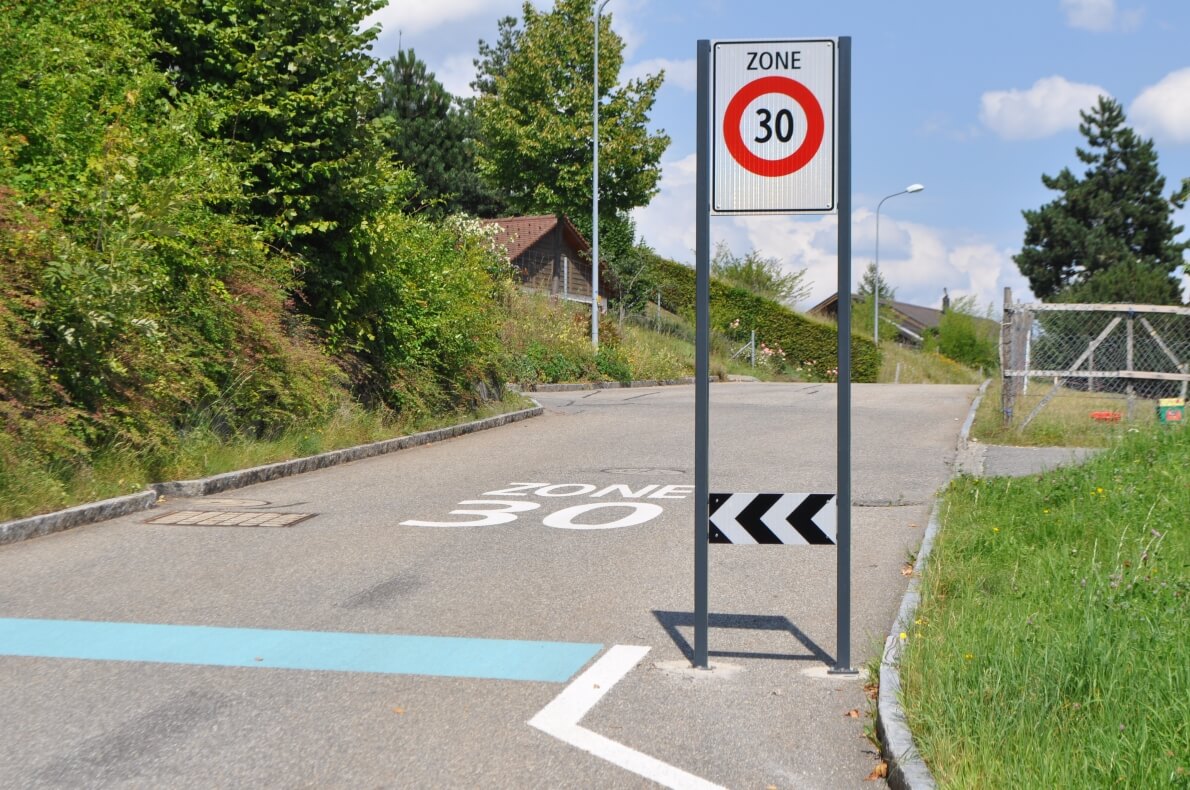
point(584, 516)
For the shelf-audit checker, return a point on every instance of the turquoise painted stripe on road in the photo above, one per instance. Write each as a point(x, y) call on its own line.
point(495, 659)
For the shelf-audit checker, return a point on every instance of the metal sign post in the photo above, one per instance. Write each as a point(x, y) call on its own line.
point(702, 354)
point(843, 415)
point(773, 137)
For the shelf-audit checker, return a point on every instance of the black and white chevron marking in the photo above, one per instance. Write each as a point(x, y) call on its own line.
point(799, 519)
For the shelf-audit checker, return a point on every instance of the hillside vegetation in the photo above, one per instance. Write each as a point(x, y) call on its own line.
point(157, 281)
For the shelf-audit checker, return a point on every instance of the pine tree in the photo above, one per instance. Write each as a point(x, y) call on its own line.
point(493, 58)
point(433, 135)
point(872, 280)
point(1115, 216)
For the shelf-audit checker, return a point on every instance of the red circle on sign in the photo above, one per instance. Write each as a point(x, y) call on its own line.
point(815, 126)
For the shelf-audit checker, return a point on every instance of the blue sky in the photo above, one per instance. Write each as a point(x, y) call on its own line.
point(975, 100)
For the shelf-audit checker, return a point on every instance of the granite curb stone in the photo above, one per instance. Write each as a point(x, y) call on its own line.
point(47, 523)
point(609, 385)
point(906, 769)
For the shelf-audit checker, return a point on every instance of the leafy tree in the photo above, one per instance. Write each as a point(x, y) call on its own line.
point(432, 135)
point(1182, 196)
point(131, 272)
point(292, 85)
point(961, 336)
point(1115, 215)
point(534, 113)
point(762, 276)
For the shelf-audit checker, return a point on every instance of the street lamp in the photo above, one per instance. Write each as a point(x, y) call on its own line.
point(876, 278)
point(598, 10)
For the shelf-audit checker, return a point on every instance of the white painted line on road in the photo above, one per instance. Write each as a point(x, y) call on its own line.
point(562, 716)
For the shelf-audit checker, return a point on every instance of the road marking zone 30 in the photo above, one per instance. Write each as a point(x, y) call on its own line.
point(595, 515)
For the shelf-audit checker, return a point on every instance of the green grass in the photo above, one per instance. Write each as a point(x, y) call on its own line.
point(549, 341)
point(908, 366)
point(1052, 647)
point(673, 338)
point(117, 471)
point(1064, 422)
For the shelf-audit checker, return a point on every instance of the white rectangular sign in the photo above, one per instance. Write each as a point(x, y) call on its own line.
point(774, 145)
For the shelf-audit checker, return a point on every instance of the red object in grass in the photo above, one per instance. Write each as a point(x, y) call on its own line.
point(1106, 416)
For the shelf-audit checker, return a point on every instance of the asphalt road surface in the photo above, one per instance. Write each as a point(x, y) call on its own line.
point(438, 599)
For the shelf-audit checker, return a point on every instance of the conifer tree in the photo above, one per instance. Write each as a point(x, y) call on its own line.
point(1115, 219)
point(433, 135)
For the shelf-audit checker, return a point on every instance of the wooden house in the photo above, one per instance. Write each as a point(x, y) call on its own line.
point(551, 257)
point(912, 321)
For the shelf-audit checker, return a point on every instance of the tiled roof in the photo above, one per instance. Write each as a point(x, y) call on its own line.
point(921, 316)
point(518, 234)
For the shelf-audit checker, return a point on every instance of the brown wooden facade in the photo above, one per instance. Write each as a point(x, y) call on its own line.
point(550, 256)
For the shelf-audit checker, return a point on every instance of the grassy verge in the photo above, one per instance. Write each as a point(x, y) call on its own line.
point(906, 366)
point(117, 471)
point(676, 337)
point(548, 341)
point(1064, 422)
point(1051, 647)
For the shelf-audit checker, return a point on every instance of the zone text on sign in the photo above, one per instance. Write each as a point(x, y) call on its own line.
point(768, 61)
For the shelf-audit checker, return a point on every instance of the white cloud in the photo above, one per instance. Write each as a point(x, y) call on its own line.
point(667, 223)
point(456, 74)
point(681, 73)
point(917, 260)
point(1095, 15)
point(1162, 111)
point(1052, 105)
point(1101, 16)
point(414, 16)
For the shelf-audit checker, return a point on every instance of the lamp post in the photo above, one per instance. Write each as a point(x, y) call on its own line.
point(598, 11)
point(876, 279)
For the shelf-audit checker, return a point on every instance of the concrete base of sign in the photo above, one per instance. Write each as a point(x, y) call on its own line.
point(683, 669)
point(823, 672)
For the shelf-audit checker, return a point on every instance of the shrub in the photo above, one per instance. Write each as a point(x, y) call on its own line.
point(963, 338)
point(425, 320)
point(807, 344)
point(154, 304)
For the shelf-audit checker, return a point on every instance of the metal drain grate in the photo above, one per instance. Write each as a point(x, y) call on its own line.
point(229, 518)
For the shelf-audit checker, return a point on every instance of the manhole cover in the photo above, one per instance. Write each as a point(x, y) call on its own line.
point(228, 518)
point(236, 502)
point(642, 470)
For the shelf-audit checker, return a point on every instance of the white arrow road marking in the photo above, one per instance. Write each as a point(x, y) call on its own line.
point(726, 518)
point(562, 716)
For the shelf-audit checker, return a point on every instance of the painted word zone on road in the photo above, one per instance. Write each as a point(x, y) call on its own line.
point(618, 506)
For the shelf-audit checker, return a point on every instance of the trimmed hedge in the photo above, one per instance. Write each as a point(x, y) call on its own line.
point(808, 344)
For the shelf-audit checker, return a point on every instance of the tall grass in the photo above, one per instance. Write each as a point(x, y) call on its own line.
point(1065, 421)
point(202, 451)
point(1051, 646)
point(909, 366)
point(677, 336)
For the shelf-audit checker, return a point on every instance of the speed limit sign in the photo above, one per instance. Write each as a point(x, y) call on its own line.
point(775, 148)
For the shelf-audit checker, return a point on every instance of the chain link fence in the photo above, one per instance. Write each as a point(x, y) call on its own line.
point(1104, 357)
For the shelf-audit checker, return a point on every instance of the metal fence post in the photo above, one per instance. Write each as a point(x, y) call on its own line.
point(1007, 383)
point(1129, 361)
